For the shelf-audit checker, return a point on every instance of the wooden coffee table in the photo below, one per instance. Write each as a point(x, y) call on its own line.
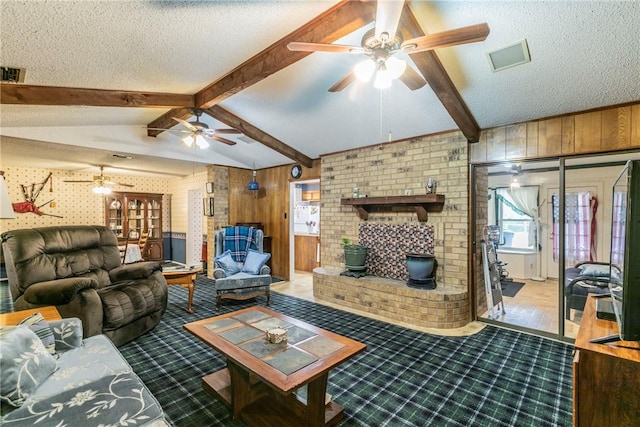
point(184, 276)
point(263, 383)
point(10, 319)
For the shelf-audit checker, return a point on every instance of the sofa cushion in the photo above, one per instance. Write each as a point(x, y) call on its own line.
point(24, 363)
point(243, 281)
point(226, 262)
point(119, 399)
point(98, 357)
point(40, 326)
point(254, 261)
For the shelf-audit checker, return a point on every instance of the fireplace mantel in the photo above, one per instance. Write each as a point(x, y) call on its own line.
point(421, 203)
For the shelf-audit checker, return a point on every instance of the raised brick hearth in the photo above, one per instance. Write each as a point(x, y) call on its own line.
point(442, 307)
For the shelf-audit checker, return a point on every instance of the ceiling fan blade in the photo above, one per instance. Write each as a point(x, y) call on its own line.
point(387, 17)
point(186, 124)
point(324, 47)
point(170, 130)
point(220, 139)
point(343, 82)
point(116, 183)
point(412, 78)
point(67, 180)
point(470, 34)
point(224, 131)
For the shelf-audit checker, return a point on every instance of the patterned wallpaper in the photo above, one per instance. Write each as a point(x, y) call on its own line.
point(74, 202)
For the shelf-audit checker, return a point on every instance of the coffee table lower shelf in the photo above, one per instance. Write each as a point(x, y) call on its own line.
point(268, 410)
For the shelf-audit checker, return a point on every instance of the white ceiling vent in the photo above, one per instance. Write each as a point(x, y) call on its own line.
point(12, 75)
point(509, 56)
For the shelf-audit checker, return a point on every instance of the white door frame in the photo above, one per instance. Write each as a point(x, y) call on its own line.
point(193, 242)
point(292, 237)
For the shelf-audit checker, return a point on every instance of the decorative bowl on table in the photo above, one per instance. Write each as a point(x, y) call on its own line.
point(276, 335)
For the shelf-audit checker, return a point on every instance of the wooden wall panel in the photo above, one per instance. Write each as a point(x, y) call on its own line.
point(598, 131)
point(550, 137)
point(478, 150)
point(532, 139)
point(516, 141)
point(635, 126)
point(496, 143)
point(588, 132)
point(568, 135)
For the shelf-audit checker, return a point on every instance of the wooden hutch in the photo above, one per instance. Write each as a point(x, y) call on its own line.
point(131, 214)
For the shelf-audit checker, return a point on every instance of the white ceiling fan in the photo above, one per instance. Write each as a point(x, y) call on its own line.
point(102, 183)
point(381, 43)
point(198, 132)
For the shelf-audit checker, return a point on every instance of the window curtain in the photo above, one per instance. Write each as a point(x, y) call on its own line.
point(618, 227)
point(580, 227)
point(523, 200)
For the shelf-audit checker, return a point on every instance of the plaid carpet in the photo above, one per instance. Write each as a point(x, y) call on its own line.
point(404, 378)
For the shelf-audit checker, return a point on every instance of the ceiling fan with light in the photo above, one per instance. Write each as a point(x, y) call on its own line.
point(102, 183)
point(381, 43)
point(198, 132)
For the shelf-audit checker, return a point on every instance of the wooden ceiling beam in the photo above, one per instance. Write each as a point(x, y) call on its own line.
point(230, 119)
point(436, 76)
point(166, 121)
point(52, 95)
point(337, 22)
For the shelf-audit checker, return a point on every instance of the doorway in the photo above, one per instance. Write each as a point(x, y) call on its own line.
point(304, 243)
point(193, 251)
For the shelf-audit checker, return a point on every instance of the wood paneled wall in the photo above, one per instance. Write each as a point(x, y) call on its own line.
point(591, 132)
point(270, 207)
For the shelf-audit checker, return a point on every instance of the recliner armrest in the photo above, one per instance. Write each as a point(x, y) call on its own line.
point(57, 292)
point(139, 270)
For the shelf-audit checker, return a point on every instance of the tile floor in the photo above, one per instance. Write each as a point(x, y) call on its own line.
point(534, 306)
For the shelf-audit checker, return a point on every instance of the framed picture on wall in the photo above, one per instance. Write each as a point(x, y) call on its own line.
point(207, 204)
point(209, 187)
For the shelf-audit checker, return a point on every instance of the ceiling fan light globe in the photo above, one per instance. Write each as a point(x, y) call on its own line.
point(102, 190)
point(395, 66)
point(188, 140)
point(201, 142)
point(383, 79)
point(364, 70)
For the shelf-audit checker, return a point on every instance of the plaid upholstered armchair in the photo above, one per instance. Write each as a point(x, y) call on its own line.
point(240, 264)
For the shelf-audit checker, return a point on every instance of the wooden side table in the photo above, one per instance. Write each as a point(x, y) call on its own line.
point(184, 277)
point(49, 313)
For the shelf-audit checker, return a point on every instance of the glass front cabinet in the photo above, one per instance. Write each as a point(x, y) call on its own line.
point(129, 215)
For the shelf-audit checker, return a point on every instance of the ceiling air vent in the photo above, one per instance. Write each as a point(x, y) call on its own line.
point(509, 56)
point(12, 75)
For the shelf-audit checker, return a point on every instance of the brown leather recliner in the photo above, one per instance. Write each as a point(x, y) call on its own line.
point(78, 269)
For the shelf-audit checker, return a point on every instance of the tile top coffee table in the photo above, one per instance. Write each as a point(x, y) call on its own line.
point(263, 383)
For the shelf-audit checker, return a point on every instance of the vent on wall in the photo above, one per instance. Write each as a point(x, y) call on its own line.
point(12, 75)
point(509, 56)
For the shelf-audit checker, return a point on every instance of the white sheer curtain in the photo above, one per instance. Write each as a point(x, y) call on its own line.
point(580, 227)
point(525, 199)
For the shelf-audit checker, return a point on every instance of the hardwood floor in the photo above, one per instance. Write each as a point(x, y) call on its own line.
point(534, 306)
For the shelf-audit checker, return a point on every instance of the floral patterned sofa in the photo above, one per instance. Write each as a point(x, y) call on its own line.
point(90, 383)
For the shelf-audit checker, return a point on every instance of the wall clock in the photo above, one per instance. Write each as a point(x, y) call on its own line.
point(296, 171)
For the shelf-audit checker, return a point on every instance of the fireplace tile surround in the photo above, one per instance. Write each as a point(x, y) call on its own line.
point(388, 245)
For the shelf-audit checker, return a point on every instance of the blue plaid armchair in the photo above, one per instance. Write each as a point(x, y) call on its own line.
point(240, 264)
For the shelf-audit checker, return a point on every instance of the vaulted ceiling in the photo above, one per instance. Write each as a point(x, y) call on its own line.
point(99, 73)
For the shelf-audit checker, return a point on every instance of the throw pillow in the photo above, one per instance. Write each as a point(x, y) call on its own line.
point(40, 326)
point(254, 262)
point(24, 363)
point(226, 262)
point(595, 270)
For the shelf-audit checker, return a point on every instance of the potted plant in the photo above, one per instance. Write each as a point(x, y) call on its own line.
point(355, 255)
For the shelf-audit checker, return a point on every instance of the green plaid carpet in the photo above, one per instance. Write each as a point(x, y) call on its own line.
point(404, 378)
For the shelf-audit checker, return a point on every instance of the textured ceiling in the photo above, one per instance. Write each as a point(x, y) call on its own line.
point(583, 55)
